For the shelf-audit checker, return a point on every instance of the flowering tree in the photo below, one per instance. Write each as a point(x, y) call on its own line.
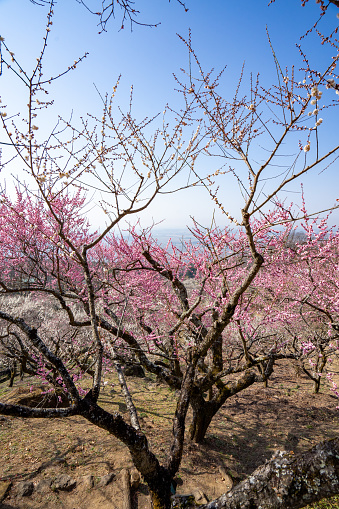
point(301, 296)
point(132, 298)
point(56, 253)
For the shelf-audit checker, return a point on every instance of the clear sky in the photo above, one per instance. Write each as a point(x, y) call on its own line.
point(223, 33)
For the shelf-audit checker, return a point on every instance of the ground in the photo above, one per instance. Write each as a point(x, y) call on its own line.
point(246, 432)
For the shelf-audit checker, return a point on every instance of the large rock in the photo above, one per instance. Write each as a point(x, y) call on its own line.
point(134, 370)
point(24, 489)
point(88, 481)
point(105, 480)
point(63, 483)
point(43, 486)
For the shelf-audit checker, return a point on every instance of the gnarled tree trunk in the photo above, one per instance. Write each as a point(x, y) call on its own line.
point(203, 413)
point(287, 481)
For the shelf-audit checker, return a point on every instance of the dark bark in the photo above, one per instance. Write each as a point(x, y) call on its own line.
point(204, 411)
point(157, 477)
point(94, 326)
point(5, 375)
point(175, 454)
point(218, 326)
point(13, 373)
point(287, 481)
point(319, 368)
point(162, 372)
point(25, 411)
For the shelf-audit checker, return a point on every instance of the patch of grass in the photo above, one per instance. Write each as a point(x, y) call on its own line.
point(328, 503)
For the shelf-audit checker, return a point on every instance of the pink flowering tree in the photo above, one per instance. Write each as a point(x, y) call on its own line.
point(132, 298)
point(177, 313)
point(301, 295)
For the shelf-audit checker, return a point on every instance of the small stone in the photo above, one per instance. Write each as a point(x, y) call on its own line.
point(43, 486)
point(24, 489)
point(135, 479)
point(4, 489)
point(64, 483)
point(199, 496)
point(105, 480)
point(88, 481)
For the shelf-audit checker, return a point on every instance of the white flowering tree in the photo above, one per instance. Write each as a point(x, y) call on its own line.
point(126, 10)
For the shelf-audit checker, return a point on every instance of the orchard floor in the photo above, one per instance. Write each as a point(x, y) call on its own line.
point(246, 432)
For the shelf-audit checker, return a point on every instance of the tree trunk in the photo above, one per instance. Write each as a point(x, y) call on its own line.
point(203, 413)
point(287, 481)
point(13, 373)
point(160, 492)
point(157, 477)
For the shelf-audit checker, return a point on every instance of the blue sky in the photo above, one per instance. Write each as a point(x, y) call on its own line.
point(223, 33)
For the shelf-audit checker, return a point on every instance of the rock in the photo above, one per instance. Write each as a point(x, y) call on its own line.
point(135, 479)
point(5, 486)
point(43, 486)
point(64, 483)
point(105, 480)
point(24, 489)
point(88, 481)
point(199, 496)
point(134, 370)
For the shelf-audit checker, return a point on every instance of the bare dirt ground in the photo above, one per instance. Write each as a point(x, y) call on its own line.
point(246, 432)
